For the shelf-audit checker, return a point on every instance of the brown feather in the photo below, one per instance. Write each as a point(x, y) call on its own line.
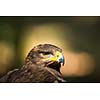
point(34, 69)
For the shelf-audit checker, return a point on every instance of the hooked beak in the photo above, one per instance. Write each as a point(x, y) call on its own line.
point(60, 59)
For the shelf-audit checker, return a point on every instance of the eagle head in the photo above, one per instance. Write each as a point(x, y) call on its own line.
point(46, 54)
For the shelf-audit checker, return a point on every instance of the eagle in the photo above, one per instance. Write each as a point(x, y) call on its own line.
point(42, 65)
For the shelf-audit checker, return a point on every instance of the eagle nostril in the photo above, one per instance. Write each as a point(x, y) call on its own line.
point(57, 55)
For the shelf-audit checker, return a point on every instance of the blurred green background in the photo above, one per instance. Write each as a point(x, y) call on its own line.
point(79, 38)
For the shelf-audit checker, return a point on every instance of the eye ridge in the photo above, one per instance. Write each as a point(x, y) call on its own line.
point(45, 53)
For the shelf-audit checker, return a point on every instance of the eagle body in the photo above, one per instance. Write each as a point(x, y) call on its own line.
point(40, 66)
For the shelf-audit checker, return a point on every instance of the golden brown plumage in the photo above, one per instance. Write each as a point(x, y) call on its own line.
point(42, 64)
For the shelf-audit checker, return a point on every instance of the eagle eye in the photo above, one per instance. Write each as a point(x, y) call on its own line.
point(45, 53)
